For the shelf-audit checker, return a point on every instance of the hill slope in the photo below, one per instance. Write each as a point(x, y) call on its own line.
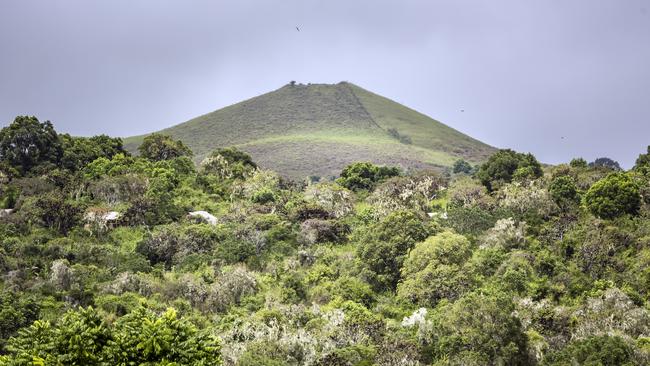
point(317, 129)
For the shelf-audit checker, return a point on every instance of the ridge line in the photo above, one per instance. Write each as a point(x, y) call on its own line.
point(363, 107)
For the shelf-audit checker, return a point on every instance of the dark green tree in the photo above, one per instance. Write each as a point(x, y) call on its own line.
point(462, 166)
point(479, 329)
point(359, 176)
point(505, 165)
point(605, 163)
point(615, 195)
point(600, 350)
point(578, 163)
point(26, 143)
point(80, 151)
point(383, 247)
point(564, 191)
point(156, 147)
point(643, 161)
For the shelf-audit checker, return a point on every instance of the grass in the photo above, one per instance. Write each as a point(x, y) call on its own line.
point(317, 129)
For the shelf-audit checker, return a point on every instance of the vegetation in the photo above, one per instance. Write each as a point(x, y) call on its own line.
point(113, 259)
point(318, 129)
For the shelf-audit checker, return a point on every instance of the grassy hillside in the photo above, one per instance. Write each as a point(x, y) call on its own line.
point(317, 129)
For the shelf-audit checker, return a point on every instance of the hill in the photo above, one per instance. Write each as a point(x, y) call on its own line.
point(317, 129)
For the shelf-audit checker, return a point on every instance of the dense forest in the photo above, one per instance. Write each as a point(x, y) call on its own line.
point(107, 258)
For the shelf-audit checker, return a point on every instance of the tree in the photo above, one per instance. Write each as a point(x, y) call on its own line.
point(578, 163)
point(26, 143)
point(383, 246)
point(564, 191)
point(80, 151)
point(615, 195)
point(605, 163)
point(479, 329)
point(643, 161)
point(602, 350)
point(504, 165)
point(360, 176)
point(158, 147)
point(229, 163)
point(461, 166)
point(433, 269)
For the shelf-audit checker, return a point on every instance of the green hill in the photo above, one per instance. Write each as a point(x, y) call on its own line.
point(317, 129)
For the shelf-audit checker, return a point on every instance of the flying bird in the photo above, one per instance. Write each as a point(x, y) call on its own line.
point(298, 29)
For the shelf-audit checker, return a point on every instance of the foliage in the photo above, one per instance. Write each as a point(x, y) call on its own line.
point(434, 270)
point(359, 176)
point(613, 196)
point(419, 269)
point(158, 147)
point(505, 165)
point(383, 246)
point(478, 329)
point(605, 163)
point(27, 143)
point(462, 166)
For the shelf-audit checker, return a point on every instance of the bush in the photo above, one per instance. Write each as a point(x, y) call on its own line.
point(505, 165)
point(613, 196)
point(564, 191)
point(360, 176)
point(433, 270)
point(383, 246)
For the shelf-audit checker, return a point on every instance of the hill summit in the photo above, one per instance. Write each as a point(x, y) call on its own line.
point(317, 129)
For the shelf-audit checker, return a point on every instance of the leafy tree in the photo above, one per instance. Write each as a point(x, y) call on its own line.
point(80, 151)
point(605, 163)
point(643, 161)
point(229, 163)
point(479, 329)
point(615, 195)
point(505, 165)
point(578, 163)
point(433, 269)
point(600, 350)
point(564, 191)
point(360, 176)
point(383, 247)
point(26, 143)
point(156, 147)
point(462, 166)
point(141, 337)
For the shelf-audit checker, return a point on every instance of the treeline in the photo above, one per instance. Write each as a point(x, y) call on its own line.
point(112, 259)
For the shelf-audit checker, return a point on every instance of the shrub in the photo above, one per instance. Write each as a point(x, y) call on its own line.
point(360, 176)
point(505, 165)
point(433, 270)
point(383, 246)
point(614, 196)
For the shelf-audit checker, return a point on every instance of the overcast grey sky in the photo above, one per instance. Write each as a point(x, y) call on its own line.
point(526, 73)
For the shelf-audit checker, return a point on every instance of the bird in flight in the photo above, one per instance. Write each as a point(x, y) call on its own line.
point(298, 29)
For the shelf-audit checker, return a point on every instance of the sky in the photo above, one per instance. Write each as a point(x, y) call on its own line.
point(558, 78)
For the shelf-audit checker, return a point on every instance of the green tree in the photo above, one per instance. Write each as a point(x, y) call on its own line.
point(505, 165)
point(479, 329)
point(601, 350)
point(643, 161)
point(433, 269)
point(564, 191)
point(383, 246)
point(615, 195)
point(605, 163)
point(156, 147)
point(229, 163)
point(462, 166)
point(359, 176)
point(80, 151)
point(26, 143)
point(578, 163)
